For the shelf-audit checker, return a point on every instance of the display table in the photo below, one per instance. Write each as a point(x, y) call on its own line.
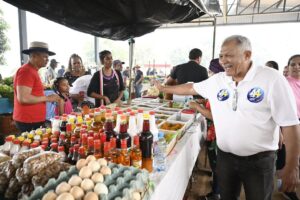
point(172, 183)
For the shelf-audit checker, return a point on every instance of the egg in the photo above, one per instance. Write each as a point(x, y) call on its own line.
point(90, 158)
point(85, 172)
point(77, 192)
point(136, 196)
point(49, 196)
point(91, 196)
point(75, 180)
point(101, 188)
point(97, 178)
point(62, 187)
point(81, 163)
point(102, 162)
point(65, 196)
point(87, 184)
point(94, 166)
point(105, 170)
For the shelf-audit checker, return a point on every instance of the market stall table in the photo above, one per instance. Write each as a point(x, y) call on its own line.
point(180, 162)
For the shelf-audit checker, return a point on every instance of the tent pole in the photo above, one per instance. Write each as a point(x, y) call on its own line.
point(214, 37)
point(131, 45)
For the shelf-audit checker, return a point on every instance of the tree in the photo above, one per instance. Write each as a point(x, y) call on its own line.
point(3, 39)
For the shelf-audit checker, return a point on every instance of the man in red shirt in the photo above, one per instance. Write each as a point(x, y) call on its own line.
point(29, 98)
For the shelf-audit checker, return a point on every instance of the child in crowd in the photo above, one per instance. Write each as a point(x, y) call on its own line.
point(61, 87)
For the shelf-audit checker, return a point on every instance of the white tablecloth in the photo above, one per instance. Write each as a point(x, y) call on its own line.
point(171, 185)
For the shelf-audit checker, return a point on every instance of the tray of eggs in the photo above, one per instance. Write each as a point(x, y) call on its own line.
point(94, 179)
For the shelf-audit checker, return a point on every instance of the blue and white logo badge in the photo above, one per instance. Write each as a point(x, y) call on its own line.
point(256, 95)
point(223, 95)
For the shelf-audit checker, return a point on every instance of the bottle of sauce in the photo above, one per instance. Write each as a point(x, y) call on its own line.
point(53, 147)
point(63, 124)
point(132, 128)
point(108, 127)
point(123, 133)
point(70, 155)
point(136, 154)
point(139, 120)
point(91, 146)
point(113, 150)
point(84, 142)
point(75, 153)
point(146, 144)
point(97, 149)
point(124, 157)
point(61, 151)
point(97, 124)
point(81, 153)
point(76, 131)
point(106, 151)
point(118, 122)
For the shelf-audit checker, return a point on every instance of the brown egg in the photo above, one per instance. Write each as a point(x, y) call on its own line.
point(85, 172)
point(105, 170)
point(77, 192)
point(75, 180)
point(62, 187)
point(49, 196)
point(87, 184)
point(81, 163)
point(97, 178)
point(91, 196)
point(65, 196)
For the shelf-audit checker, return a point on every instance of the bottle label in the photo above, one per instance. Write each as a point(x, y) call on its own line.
point(137, 163)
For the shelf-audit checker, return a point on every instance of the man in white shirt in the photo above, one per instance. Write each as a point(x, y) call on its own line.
point(50, 73)
point(247, 104)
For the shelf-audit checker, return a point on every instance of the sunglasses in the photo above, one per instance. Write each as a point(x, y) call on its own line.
point(234, 100)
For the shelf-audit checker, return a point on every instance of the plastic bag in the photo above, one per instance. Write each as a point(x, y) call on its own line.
point(20, 157)
point(35, 164)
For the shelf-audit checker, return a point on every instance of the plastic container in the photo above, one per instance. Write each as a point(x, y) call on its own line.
point(159, 161)
point(61, 151)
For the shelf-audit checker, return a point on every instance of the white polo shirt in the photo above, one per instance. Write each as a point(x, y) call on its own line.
point(264, 100)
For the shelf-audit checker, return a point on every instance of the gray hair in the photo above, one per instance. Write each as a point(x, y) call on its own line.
point(243, 42)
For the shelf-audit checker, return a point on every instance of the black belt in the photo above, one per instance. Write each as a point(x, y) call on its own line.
point(251, 157)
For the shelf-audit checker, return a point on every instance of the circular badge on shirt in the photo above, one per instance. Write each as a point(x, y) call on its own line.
point(223, 95)
point(256, 95)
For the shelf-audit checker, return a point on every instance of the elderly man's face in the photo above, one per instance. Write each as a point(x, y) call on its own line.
point(233, 59)
point(40, 58)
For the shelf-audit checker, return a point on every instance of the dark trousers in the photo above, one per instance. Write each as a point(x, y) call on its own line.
point(255, 172)
point(212, 158)
point(23, 127)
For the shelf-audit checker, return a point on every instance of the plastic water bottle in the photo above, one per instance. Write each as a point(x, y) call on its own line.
point(159, 162)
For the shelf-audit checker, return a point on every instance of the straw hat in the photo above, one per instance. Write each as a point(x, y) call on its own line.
point(38, 47)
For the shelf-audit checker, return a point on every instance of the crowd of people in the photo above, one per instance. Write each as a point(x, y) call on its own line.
point(72, 87)
point(243, 103)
